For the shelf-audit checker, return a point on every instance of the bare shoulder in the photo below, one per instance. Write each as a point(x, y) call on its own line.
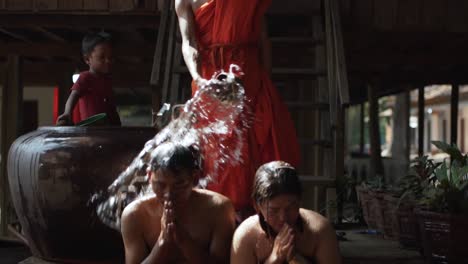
point(315, 222)
point(137, 209)
point(213, 200)
point(247, 231)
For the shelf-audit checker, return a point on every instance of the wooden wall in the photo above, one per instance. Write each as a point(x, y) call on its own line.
point(77, 5)
point(406, 15)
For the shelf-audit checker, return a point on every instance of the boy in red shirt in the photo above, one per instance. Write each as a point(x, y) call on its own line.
point(92, 93)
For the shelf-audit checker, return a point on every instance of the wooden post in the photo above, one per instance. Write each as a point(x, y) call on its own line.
point(376, 165)
point(12, 97)
point(362, 125)
point(407, 126)
point(155, 81)
point(454, 114)
point(421, 121)
point(339, 159)
point(400, 131)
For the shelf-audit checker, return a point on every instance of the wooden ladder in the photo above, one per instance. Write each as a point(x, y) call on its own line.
point(310, 73)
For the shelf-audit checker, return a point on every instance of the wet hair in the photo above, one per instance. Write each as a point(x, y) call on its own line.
point(273, 179)
point(90, 41)
point(173, 157)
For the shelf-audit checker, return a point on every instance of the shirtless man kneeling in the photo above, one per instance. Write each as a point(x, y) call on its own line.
point(282, 232)
point(179, 223)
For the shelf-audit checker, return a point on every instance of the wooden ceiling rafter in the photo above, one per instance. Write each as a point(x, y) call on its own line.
point(14, 35)
point(50, 35)
point(79, 20)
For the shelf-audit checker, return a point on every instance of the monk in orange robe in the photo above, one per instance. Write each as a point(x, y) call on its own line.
point(216, 34)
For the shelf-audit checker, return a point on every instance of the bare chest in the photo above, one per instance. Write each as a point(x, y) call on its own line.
point(305, 245)
point(198, 229)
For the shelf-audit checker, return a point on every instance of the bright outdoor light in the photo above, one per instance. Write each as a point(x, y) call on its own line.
point(75, 77)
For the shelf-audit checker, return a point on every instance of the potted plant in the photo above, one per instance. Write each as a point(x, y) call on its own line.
point(410, 191)
point(444, 217)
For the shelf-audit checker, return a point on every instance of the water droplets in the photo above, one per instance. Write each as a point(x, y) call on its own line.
point(213, 122)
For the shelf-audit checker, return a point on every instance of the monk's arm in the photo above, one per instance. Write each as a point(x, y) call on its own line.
point(327, 248)
point(135, 246)
point(189, 41)
point(265, 48)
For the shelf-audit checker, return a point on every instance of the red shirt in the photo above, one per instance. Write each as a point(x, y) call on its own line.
point(96, 97)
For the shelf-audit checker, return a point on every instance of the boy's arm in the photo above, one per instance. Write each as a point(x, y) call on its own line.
point(189, 42)
point(69, 105)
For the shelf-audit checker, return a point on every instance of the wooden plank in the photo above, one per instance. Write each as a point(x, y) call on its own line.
point(153, 5)
point(385, 13)
point(79, 21)
point(2, 4)
point(160, 44)
point(19, 4)
point(11, 121)
point(363, 13)
point(121, 5)
point(434, 15)
point(69, 50)
point(409, 14)
point(70, 4)
point(457, 21)
point(46, 4)
point(340, 61)
point(303, 7)
point(95, 5)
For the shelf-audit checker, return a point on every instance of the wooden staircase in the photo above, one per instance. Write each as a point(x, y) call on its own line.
point(308, 70)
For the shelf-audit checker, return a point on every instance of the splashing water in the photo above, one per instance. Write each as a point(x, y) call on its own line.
point(213, 122)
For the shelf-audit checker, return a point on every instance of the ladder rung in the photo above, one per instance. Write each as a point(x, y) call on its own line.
point(312, 105)
point(298, 71)
point(296, 40)
point(323, 143)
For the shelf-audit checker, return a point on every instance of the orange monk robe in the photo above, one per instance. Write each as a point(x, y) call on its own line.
point(228, 31)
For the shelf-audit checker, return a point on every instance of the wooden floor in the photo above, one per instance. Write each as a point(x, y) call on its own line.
point(357, 249)
point(372, 248)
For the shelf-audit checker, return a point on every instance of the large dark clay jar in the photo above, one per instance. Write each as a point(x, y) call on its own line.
point(53, 172)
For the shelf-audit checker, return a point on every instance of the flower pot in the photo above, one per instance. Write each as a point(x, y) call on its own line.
point(409, 235)
point(444, 237)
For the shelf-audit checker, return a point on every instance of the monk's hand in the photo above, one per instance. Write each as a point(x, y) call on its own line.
point(200, 82)
point(283, 247)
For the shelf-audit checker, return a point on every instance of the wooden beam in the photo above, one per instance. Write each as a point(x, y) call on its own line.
point(421, 121)
point(12, 98)
point(52, 73)
point(70, 50)
point(49, 34)
point(454, 113)
point(14, 35)
point(114, 21)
